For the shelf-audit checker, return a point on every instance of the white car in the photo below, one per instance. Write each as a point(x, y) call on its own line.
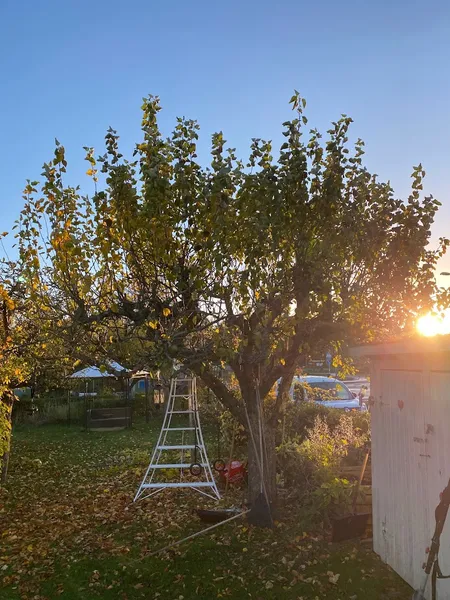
point(335, 393)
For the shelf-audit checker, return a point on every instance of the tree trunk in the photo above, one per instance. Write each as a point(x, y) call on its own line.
point(262, 490)
point(6, 404)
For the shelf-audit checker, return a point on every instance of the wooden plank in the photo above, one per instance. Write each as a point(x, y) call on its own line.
point(436, 450)
point(398, 476)
point(117, 422)
point(103, 413)
point(109, 417)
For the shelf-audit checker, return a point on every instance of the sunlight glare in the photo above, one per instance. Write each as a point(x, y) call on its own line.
point(430, 325)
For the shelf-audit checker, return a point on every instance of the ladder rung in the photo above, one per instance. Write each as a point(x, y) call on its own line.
point(179, 429)
point(177, 380)
point(175, 466)
point(182, 395)
point(178, 485)
point(182, 412)
point(180, 447)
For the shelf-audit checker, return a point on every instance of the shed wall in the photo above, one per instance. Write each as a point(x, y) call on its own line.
point(410, 460)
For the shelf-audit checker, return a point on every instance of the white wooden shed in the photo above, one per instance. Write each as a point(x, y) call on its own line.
point(410, 393)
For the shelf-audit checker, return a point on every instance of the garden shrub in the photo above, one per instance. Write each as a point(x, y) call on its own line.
point(332, 499)
point(300, 417)
point(309, 462)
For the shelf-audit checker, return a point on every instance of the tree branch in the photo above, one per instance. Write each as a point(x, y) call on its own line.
point(226, 397)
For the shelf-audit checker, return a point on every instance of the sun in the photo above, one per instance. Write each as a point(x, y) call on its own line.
point(430, 325)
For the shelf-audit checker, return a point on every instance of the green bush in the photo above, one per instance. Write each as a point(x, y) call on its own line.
point(333, 498)
point(309, 462)
point(327, 446)
point(300, 418)
point(297, 472)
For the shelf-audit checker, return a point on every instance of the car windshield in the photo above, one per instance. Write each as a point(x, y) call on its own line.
point(332, 390)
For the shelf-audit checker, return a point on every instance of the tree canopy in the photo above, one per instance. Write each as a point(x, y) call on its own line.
point(29, 353)
point(13, 367)
point(247, 264)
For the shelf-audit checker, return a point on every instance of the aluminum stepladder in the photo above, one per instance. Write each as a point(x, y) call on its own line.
point(183, 390)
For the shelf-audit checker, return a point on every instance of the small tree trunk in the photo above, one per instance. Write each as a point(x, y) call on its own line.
point(6, 404)
point(261, 464)
point(5, 464)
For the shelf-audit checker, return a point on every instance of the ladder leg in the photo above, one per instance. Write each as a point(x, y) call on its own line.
point(212, 496)
point(182, 456)
point(209, 474)
point(155, 449)
point(164, 429)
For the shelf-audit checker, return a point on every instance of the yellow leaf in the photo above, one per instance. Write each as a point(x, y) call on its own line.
point(282, 361)
point(166, 312)
point(153, 324)
point(333, 577)
point(90, 172)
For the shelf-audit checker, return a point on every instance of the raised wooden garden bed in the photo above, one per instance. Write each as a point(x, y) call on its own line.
point(108, 418)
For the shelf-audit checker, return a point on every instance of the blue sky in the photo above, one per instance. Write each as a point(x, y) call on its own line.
point(70, 69)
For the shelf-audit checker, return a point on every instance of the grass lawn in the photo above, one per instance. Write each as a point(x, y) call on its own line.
point(68, 528)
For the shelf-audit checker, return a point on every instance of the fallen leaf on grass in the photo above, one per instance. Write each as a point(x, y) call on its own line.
point(333, 577)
